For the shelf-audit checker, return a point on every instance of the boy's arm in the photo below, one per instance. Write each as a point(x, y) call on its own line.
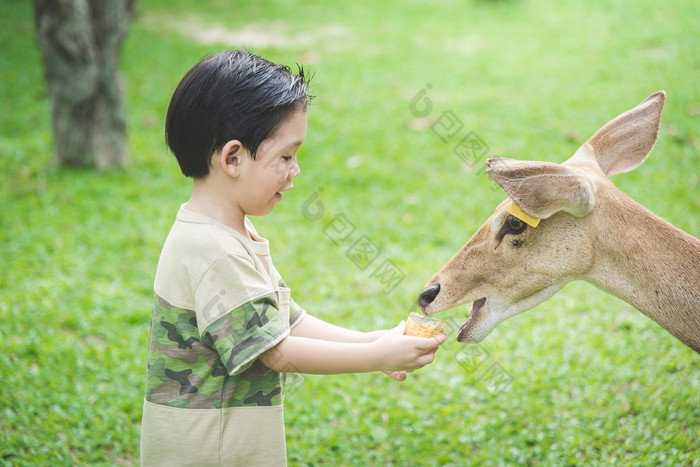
point(316, 328)
point(392, 351)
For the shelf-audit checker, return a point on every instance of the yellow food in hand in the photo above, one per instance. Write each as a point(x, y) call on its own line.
point(422, 326)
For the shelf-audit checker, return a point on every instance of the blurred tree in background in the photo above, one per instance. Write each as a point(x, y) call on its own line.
point(80, 42)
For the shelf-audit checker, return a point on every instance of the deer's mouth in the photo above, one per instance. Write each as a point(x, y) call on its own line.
point(477, 306)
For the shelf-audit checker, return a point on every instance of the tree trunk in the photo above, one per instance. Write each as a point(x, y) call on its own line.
point(80, 41)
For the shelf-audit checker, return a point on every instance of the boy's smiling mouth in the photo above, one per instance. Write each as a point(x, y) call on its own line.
point(278, 195)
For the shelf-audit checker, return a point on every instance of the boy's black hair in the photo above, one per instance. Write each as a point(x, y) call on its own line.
point(232, 95)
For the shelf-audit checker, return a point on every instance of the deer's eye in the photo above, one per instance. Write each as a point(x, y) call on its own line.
point(514, 225)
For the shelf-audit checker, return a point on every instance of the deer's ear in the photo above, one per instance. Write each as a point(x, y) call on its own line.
point(544, 188)
point(624, 142)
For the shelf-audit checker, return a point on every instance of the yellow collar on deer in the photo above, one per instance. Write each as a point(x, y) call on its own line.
point(515, 210)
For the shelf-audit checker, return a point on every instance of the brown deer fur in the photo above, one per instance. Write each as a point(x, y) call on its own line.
point(590, 230)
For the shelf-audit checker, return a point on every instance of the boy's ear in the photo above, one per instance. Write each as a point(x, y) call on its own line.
point(230, 157)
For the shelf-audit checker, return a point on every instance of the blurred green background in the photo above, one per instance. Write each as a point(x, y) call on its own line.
point(582, 379)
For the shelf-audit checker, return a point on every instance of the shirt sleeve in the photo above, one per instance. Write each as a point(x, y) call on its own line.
point(228, 284)
point(296, 313)
point(240, 336)
point(238, 312)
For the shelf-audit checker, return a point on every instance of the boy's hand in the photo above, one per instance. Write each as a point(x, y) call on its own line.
point(399, 353)
point(397, 375)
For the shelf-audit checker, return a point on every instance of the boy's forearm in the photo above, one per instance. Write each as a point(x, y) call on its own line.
point(389, 350)
point(316, 328)
point(297, 354)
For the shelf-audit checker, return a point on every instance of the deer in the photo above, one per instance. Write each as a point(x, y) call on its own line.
point(566, 222)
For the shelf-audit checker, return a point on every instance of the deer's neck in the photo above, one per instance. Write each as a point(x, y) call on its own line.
point(650, 264)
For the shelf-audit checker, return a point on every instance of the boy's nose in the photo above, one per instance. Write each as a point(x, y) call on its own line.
point(295, 170)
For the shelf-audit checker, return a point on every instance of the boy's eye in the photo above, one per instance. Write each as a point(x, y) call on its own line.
point(287, 158)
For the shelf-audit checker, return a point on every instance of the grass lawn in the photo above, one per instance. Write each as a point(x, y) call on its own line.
point(582, 379)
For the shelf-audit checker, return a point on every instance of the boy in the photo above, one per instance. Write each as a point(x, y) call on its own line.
point(224, 326)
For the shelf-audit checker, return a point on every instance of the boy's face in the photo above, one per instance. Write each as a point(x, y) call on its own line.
point(271, 173)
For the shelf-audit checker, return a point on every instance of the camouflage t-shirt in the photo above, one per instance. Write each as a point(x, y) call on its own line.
point(219, 303)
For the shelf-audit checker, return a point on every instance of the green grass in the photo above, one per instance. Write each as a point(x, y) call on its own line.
point(586, 379)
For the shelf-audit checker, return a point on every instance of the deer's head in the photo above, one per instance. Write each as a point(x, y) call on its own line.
point(508, 266)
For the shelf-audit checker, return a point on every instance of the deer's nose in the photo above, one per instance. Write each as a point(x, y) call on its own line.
point(428, 294)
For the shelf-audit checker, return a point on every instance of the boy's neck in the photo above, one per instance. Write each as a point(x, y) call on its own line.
point(209, 201)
